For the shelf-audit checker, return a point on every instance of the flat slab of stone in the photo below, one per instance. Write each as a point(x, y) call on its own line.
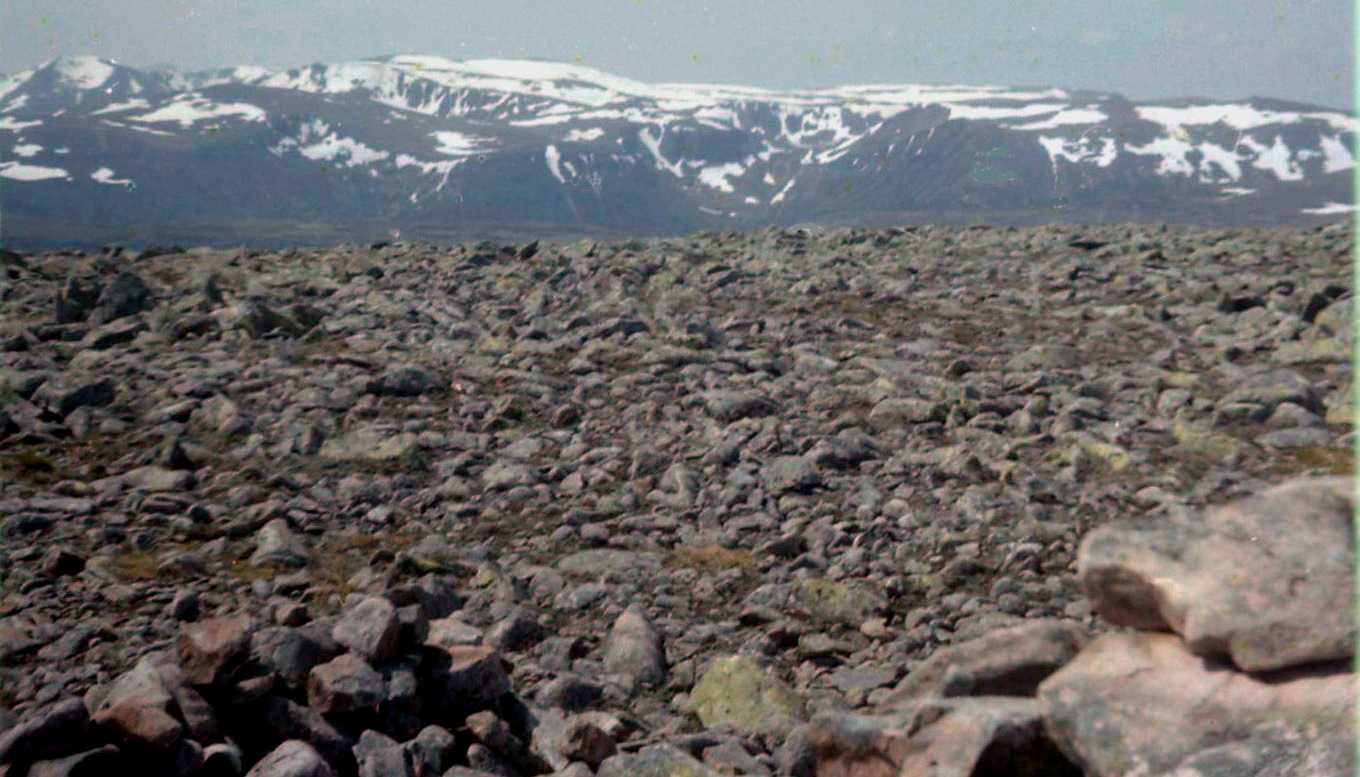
point(1006, 662)
point(1268, 581)
point(656, 761)
point(600, 561)
point(1136, 703)
point(371, 445)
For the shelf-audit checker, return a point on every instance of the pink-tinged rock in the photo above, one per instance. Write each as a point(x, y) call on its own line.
point(466, 679)
point(939, 738)
point(369, 628)
point(139, 709)
point(845, 745)
point(1267, 581)
point(192, 709)
point(346, 684)
point(211, 650)
point(293, 758)
point(1139, 703)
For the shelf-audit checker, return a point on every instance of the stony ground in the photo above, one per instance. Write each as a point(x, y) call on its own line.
point(835, 452)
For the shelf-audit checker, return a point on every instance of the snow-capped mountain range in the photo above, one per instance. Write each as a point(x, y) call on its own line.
point(93, 151)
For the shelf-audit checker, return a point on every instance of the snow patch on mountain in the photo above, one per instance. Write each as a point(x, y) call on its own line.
point(1336, 155)
point(554, 160)
point(1172, 152)
point(715, 177)
point(987, 112)
point(105, 175)
point(10, 83)
point(1276, 159)
point(82, 72)
point(1065, 117)
point(14, 125)
point(145, 130)
point(1076, 151)
point(127, 105)
point(194, 107)
point(1213, 154)
point(332, 146)
point(1331, 208)
point(27, 149)
point(581, 135)
point(1238, 116)
point(17, 171)
point(654, 146)
point(460, 144)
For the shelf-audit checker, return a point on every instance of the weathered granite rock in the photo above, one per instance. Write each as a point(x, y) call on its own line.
point(1267, 581)
point(211, 650)
point(1006, 662)
point(369, 628)
point(276, 544)
point(345, 684)
point(635, 647)
point(56, 732)
point(139, 709)
point(830, 601)
point(293, 758)
point(463, 678)
point(1137, 703)
point(97, 761)
point(942, 738)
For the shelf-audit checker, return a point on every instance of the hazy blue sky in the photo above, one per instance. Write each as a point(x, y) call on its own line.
point(1297, 49)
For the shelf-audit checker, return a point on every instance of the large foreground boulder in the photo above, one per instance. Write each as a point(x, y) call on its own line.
point(1267, 581)
point(1145, 704)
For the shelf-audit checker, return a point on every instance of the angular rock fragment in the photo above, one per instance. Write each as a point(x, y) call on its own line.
point(292, 758)
point(1006, 662)
point(345, 684)
point(140, 710)
point(276, 544)
point(369, 628)
point(211, 650)
point(635, 647)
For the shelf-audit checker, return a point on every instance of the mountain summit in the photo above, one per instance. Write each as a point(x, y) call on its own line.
point(421, 146)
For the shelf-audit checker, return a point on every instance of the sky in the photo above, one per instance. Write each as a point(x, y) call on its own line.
point(1290, 49)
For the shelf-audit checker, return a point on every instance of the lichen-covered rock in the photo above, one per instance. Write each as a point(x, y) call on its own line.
point(736, 690)
point(829, 601)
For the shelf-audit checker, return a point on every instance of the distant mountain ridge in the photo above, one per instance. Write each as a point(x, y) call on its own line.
point(92, 151)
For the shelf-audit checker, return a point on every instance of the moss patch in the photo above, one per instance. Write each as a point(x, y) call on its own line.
point(712, 558)
point(1319, 459)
